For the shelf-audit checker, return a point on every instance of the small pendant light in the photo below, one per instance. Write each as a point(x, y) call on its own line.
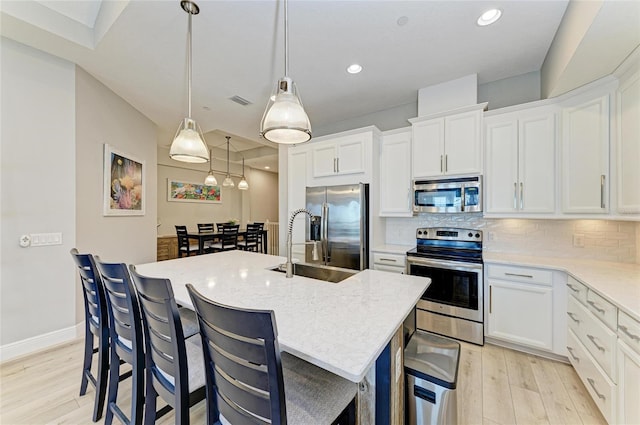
point(243, 184)
point(188, 143)
point(210, 180)
point(227, 180)
point(284, 120)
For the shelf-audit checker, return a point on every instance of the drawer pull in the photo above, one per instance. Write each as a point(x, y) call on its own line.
point(593, 385)
point(519, 275)
point(391, 260)
point(573, 356)
point(629, 334)
point(594, 305)
point(593, 339)
point(573, 288)
point(570, 314)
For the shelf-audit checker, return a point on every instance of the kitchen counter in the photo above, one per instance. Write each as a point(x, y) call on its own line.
point(393, 249)
point(617, 282)
point(341, 327)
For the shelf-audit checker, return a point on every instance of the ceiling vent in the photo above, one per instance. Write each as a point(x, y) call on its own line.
point(240, 101)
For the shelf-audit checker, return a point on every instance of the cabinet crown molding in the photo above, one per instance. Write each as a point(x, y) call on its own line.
point(480, 106)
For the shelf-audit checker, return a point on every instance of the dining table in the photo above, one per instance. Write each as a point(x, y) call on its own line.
point(203, 237)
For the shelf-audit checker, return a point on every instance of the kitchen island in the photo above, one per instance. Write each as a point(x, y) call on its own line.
point(341, 327)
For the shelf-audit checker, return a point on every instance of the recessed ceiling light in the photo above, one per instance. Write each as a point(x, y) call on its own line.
point(266, 167)
point(489, 17)
point(402, 21)
point(354, 68)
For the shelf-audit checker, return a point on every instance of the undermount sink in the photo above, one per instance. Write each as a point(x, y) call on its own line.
point(325, 273)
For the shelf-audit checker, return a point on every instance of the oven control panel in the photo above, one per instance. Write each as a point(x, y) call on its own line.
point(449, 234)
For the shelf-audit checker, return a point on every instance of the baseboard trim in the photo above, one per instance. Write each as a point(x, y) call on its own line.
point(528, 350)
point(28, 346)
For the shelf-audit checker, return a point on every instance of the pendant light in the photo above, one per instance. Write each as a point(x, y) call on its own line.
point(227, 180)
point(188, 143)
point(210, 180)
point(284, 120)
point(243, 184)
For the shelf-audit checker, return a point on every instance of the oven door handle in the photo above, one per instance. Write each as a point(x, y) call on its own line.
point(454, 265)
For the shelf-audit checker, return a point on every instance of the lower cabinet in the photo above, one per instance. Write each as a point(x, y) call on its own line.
point(628, 384)
point(384, 261)
point(167, 248)
point(521, 313)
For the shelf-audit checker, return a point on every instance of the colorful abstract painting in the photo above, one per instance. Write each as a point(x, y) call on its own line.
point(179, 191)
point(123, 183)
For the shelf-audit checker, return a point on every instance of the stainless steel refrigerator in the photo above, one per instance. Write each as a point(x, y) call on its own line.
point(341, 223)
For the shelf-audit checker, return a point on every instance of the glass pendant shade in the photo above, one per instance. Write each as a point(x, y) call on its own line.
point(211, 179)
point(243, 184)
point(188, 144)
point(285, 120)
point(228, 182)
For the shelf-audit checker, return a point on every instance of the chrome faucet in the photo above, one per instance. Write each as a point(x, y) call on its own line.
point(289, 264)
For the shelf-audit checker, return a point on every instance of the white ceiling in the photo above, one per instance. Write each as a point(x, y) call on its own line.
point(138, 49)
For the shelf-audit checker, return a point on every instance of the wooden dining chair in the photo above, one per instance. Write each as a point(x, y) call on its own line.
point(228, 238)
point(174, 365)
point(250, 242)
point(220, 226)
point(96, 324)
point(248, 379)
point(204, 228)
point(260, 236)
point(184, 246)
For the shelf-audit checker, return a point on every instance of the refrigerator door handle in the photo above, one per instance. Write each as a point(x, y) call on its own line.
point(325, 232)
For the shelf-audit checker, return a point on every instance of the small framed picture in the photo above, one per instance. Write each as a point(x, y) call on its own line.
point(179, 191)
point(124, 184)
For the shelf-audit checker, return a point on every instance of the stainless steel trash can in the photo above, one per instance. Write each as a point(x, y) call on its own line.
point(431, 369)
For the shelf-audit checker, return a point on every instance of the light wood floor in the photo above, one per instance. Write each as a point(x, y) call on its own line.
point(495, 386)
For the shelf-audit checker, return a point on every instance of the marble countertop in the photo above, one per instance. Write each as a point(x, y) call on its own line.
point(617, 282)
point(341, 327)
point(393, 249)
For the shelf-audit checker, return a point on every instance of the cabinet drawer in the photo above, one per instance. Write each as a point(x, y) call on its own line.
point(386, 268)
point(520, 274)
point(599, 386)
point(599, 340)
point(603, 309)
point(396, 260)
point(577, 289)
point(629, 330)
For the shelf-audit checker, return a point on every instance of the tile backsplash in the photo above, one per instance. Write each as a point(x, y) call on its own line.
point(603, 240)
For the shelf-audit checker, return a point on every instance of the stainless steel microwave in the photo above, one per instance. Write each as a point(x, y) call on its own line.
point(451, 195)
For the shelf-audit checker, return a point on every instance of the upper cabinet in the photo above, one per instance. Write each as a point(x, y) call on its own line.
point(628, 137)
point(520, 151)
point(342, 159)
point(448, 143)
point(395, 174)
point(585, 157)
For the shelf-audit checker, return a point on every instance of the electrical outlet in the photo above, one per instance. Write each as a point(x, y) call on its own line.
point(46, 239)
point(578, 240)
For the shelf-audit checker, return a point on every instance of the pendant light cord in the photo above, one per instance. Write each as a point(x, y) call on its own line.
point(228, 154)
point(286, 39)
point(189, 65)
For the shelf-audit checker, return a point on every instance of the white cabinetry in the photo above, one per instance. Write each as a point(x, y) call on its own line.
point(395, 175)
point(628, 131)
point(585, 157)
point(344, 158)
point(385, 261)
point(298, 158)
point(520, 305)
point(520, 162)
point(448, 143)
point(591, 344)
point(628, 369)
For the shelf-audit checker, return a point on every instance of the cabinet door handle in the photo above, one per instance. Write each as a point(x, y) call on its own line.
point(515, 195)
point(334, 165)
point(593, 340)
point(629, 334)
point(441, 166)
point(521, 195)
point(490, 298)
point(602, 180)
point(573, 288)
point(337, 165)
point(594, 305)
point(570, 314)
point(391, 260)
point(519, 275)
point(593, 385)
point(573, 356)
point(446, 163)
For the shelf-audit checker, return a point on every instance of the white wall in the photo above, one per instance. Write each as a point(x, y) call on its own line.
point(516, 90)
point(38, 284)
point(387, 119)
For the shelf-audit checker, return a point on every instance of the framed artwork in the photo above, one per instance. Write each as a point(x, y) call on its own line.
point(123, 183)
point(179, 191)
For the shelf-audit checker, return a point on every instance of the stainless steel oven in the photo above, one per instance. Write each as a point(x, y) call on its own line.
point(453, 304)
